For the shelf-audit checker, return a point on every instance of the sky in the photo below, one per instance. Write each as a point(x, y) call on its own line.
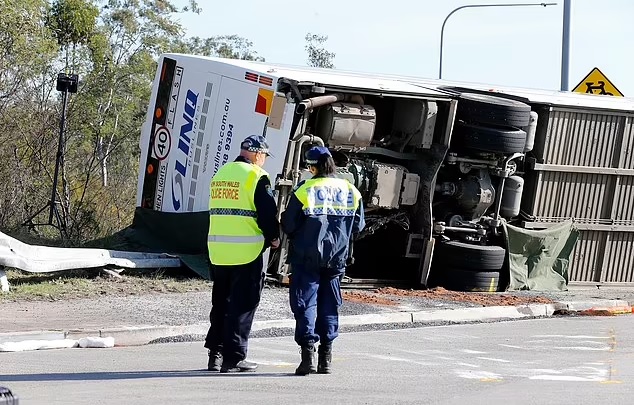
point(510, 46)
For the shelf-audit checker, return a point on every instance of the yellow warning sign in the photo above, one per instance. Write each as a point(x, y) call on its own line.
point(597, 83)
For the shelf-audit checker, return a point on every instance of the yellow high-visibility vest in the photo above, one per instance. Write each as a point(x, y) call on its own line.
point(328, 196)
point(234, 235)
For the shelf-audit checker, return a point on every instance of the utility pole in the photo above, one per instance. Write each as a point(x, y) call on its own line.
point(442, 29)
point(565, 47)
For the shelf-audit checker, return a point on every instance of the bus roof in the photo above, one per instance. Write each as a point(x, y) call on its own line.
point(540, 96)
point(409, 85)
point(327, 77)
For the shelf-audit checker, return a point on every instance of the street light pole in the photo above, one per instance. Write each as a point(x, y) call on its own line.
point(442, 30)
point(565, 47)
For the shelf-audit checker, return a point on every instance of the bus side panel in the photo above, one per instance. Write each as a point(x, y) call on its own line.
point(243, 109)
point(195, 125)
point(145, 144)
point(278, 138)
point(177, 133)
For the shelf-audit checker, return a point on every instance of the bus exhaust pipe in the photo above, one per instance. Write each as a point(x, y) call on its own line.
point(318, 101)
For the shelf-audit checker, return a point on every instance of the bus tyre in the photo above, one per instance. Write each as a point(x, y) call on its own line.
point(469, 280)
point(466, 256)
point(490, 110)
point(490, 139)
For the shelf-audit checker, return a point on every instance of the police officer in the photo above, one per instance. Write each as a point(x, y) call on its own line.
point(322, 215)
point(243, 224)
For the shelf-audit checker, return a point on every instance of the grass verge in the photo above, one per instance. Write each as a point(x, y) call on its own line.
point(90, 283)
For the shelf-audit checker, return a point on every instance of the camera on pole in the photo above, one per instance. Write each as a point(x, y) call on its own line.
point(66, 83)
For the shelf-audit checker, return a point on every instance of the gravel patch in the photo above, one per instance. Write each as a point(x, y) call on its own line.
point(174, 309)
point(150, 309)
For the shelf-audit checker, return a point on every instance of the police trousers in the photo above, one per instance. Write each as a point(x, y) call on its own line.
point(235, 297)
point(315, 298)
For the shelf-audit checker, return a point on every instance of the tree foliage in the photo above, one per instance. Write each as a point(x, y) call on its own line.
point(26, 111)
point(26, 46)
point(113, 46)
point(223, 46)
point(318, 55)
point(72, 21)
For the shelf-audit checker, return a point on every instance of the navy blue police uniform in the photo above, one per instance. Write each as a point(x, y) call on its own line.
point(322, 216)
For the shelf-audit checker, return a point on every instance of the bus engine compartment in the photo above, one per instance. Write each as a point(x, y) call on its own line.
point(436, 175)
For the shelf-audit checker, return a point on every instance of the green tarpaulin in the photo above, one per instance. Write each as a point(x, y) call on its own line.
point(539, 259)
point(183, 235)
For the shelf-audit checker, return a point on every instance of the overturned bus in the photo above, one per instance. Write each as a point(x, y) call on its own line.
point(457, 179)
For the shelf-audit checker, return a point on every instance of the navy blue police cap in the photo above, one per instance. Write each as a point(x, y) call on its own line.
point(255, 143)
point(315, 154)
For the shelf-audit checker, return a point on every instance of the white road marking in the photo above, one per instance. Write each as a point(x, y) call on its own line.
point(571, 337)
point(477, 375)
point(544, 371)
point(592, 342)
point(494, 359)
point(582, 348)
point(565, 378)
point(472, 351)
point(401, 360)
point(273, 362)
point(468, 365)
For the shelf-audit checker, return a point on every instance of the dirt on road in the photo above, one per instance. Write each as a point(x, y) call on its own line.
point(390, 296)
point(369, 297)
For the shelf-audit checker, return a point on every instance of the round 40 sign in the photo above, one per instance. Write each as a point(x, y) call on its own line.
point(162, 143)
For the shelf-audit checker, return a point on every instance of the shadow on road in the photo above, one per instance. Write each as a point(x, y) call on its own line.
point(130, 375)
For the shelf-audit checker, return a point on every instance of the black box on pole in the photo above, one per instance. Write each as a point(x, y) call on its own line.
point(67, 82)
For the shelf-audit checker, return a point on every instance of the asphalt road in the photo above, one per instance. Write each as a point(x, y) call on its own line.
point(550, 361)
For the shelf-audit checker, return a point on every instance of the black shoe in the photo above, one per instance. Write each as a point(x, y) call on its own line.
point(215, 361)
point(307, 366)
point(241, 367)
point(325, 358)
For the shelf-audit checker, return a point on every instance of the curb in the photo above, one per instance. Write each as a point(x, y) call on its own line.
point(141, 335)
point(587, 305)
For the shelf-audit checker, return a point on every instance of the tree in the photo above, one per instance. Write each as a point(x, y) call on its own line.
point(113, 45)
point(111, 108)
point(318, 56)
point(72, 22)
point(25, 47)
point(26, 112)
point(223, 46)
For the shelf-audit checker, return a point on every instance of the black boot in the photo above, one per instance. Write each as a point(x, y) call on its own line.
point(325, 358)
point(307, 366)
point(215, 361)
